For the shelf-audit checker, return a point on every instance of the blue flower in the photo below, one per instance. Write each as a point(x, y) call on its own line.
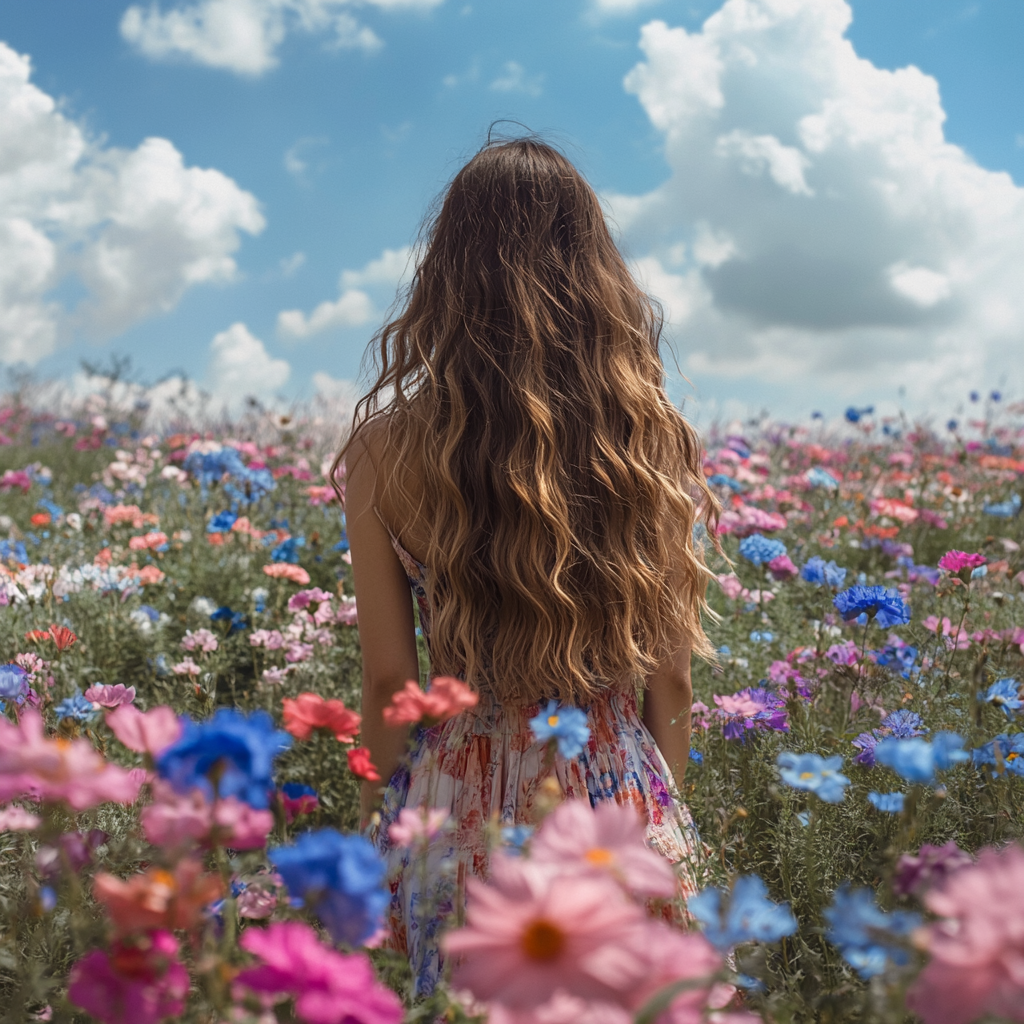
point(259, 598)
point(76, 707)
point(749, 917)
point(816, 570)
point(696, 756)
point(225, 614)
point(887, 606)
point(222, 522)
point(13, 550)
point(917, 760)
point(288, 550)
point(854, 415)
point(55, 510)
point(757, 548)
point(865, 934)
point(818, 477)
point(566, 725)
point(721, 480)
point(1005, 694)
point(761, 636)
point(515, 837)
point(891, 803)
point(340, 878)
point(816, 774)
point(13, 681)
point(1008, 509)
point(342, 544)
point(904, 724)
point(974, 396)
point(233, 751)
point(295, 790)
point(902, 654)
point(1010, 751)
point(951, 425)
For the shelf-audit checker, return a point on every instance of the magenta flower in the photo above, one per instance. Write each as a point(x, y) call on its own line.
point(106, 696)
point(977, 952)
point(782, 568)
point(256, 903)
point(605, 840)
point(329, 987)
point(955, 561)
point(533, 930)
point(137, 983)
point(930, 866)
point(149, 732)
point(173, 819)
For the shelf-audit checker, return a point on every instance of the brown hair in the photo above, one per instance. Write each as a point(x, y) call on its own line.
point(560, 486)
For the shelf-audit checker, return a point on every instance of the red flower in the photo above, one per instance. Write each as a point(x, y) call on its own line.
point(62, 637)
point(309, 711)
point(37, 635)
point(445, 698)
point(40, 519)
point(359, 763)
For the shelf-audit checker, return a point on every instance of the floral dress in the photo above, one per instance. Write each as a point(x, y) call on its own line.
point(485, 768)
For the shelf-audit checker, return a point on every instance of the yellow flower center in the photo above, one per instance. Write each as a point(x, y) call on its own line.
point(807, 775)
point(598, 856)
point(552, 720)
point(542, 940)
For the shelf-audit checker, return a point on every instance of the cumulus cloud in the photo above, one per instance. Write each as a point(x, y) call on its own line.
point(240, 367)
point(816, 223)
point(244, 35)
point(130, 230)
point(513, 78)
point(353, 307)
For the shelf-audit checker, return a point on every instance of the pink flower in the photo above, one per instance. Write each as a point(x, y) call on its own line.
point(106, 696)
point(72, 772)
point(955, 561)
point(276, 676)
point(739, 706)
point(137, 983)
point(149, 732)
point(309, 712)
point(730, 584)
point(605, 840)
point(173, 819)
point(782, 568)
point(201, 639)
point(186, 667)
point(445, 698)
point(298, 652)
point(561, 1008)
point(303, 599)
point(977, 953)
point(271, 639)
point(256, 903)
point(417, 826)
point(894, 509)
point(533, 931)
point(154, 539)
point(329, 987)
point(17, 819)
point(347, 612)
point(287, 571)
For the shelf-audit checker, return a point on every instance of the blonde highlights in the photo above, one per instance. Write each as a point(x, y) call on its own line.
point(558, 486)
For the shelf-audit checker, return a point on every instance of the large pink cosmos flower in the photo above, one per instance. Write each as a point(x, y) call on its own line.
point(533, 931)
point(174, 819)
point(141, 983)
point(444, 699)
point(150, 731)
point(606, 840)
point(65, 771)
point(977, 964)
point(329, 987)
point(107, 696)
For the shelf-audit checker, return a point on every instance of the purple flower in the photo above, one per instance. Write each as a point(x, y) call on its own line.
point(931, 865)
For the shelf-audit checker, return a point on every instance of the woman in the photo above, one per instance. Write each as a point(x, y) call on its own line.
point(518, 464)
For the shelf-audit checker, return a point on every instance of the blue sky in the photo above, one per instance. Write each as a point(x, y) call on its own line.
point(332, 139)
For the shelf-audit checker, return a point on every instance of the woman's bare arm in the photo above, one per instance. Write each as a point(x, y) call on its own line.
point(387, 632)
point(667, 710)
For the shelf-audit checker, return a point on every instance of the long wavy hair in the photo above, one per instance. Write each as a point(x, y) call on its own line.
point(557, 484)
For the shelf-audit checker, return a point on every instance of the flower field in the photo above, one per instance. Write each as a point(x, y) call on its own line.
point(180, 755)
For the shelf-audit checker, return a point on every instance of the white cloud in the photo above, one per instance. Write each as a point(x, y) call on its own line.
point(240, 367)
point(619, 6)
point(354, 307)
point(515, 79)
point(291, 265)
point(335, 389)
point(133, 228)
point(244, 35)
point(816, 225)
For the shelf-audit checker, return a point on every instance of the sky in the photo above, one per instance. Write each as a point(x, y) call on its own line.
point(826, 197)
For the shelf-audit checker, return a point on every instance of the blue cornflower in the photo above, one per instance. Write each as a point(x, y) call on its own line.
point(339, 877)
point(1005, 694)
point(150, 612)
point(749, 917)
point(818, 477)
point(917, 760)
point(55, 510)
point(951, 425)
point(904, 724)
point(296, 790)
point(515, 837)
point(853, 415)
point(887, 606)
point(696, 756)
point(816, 570)
point(891, 803)
point(13, 681)
point(342, 544)
point(222, 522)
point(76, 707)
point(233, 751)
point(259, 599)
point(13, 550)
point(1008, 509)
point(865, 934)
point(904, 655)
point(566, 725)
point(225, 614)
point(1010, 749)
point(761, 636)
point(288, 550)
point(974, 396)
point(757, 548)
point(816, 774)
point(721, 480)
